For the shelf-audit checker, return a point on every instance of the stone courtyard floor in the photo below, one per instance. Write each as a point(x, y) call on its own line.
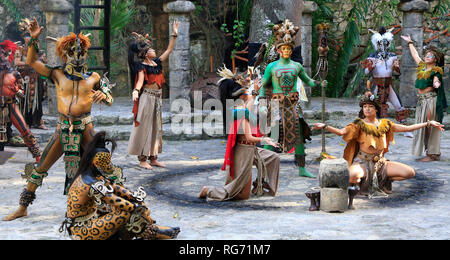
point(417, 209)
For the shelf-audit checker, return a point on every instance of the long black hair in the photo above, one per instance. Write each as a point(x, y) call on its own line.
point(98, 144)
point(139, 49)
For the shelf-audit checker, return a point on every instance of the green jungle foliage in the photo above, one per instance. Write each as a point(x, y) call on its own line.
point(342, 80)
point(12, 10)
point(342, 46)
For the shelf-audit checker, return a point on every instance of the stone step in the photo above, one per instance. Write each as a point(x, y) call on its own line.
point(193, 131)
point(111, 120)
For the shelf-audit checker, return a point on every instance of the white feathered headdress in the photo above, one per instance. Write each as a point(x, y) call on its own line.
point(378, 38)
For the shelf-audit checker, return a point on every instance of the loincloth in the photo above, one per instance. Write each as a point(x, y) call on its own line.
point(375, 181)
point(71, 137)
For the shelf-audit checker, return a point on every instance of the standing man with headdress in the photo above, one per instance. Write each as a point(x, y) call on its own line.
point(9, 110)
point(381, 65)
point(283, 75)
point(76, 91)
point(146, 137)
point(431, 102)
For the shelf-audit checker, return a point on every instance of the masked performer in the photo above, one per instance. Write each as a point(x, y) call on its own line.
point(33, 89)
point(76, 91)
point(381, 65)
point(99, 185)
point(368, 140)
point(282, 75)
point(241, 153)
point(146, 137)
point(431, 100)
point(9, 111)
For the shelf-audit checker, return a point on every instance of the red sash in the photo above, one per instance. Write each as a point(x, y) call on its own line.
point(229, 153)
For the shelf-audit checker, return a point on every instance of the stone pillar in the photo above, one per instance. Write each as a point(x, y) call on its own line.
point(412, 25)
point(57, 25)
point(307, 49)
point(179, 61)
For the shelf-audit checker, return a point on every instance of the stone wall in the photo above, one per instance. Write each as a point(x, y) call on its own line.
point(9, 24)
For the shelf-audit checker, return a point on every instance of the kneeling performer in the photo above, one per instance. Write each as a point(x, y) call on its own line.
point(241, 153)
point(368, 140)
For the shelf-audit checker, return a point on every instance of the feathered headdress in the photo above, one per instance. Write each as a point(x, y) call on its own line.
point(140, 44)
point(238, 87)
point(382, 36)
point(285, 34)
point(10, 48)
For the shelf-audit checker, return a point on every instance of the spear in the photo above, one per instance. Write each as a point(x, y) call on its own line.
point(322, 71)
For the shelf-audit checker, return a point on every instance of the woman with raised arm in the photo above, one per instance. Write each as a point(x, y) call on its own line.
point(431, 102)
point(368, 139)
point(146, 138)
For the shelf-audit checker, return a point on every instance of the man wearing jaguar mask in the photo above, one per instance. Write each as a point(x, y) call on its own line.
point(9, 111)
point(381, 65)
point(76, 91)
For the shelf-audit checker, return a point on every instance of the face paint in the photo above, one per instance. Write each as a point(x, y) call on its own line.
point(286, 51)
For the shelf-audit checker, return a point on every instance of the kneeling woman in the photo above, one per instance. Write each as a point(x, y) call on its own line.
point(99, 207)
point(368, 140)
point(241, 153)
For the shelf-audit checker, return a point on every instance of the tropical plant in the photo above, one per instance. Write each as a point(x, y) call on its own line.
point(12, 10)
point(342, 47)
point(241, 24)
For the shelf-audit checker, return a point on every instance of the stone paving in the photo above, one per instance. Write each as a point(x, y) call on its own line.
point(418, 208)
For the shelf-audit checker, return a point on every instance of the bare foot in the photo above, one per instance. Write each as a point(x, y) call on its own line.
point(203, 193)
point(167, 232)
point(145, 165)
point(157, 164)
point(426, 159)
point(20, 212)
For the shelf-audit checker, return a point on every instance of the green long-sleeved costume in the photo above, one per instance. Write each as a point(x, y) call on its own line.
point(283, 75)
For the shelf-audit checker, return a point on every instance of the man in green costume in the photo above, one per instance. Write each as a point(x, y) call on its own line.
point(282, 75)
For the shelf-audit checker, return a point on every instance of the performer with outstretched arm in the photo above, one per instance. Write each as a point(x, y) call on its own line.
point(368, 140)
point(146, 137)
point(431, 102)
point(76, 91)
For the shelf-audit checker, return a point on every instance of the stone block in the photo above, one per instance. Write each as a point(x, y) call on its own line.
point(416, 5)
point(179, 7)
point(179, 60)
point(57, 18)
point(306, 19)
point(333, 173)
point(58, 6)
point(309, 7)
point(406, 89)
point(333, 199)
point(413, 19)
